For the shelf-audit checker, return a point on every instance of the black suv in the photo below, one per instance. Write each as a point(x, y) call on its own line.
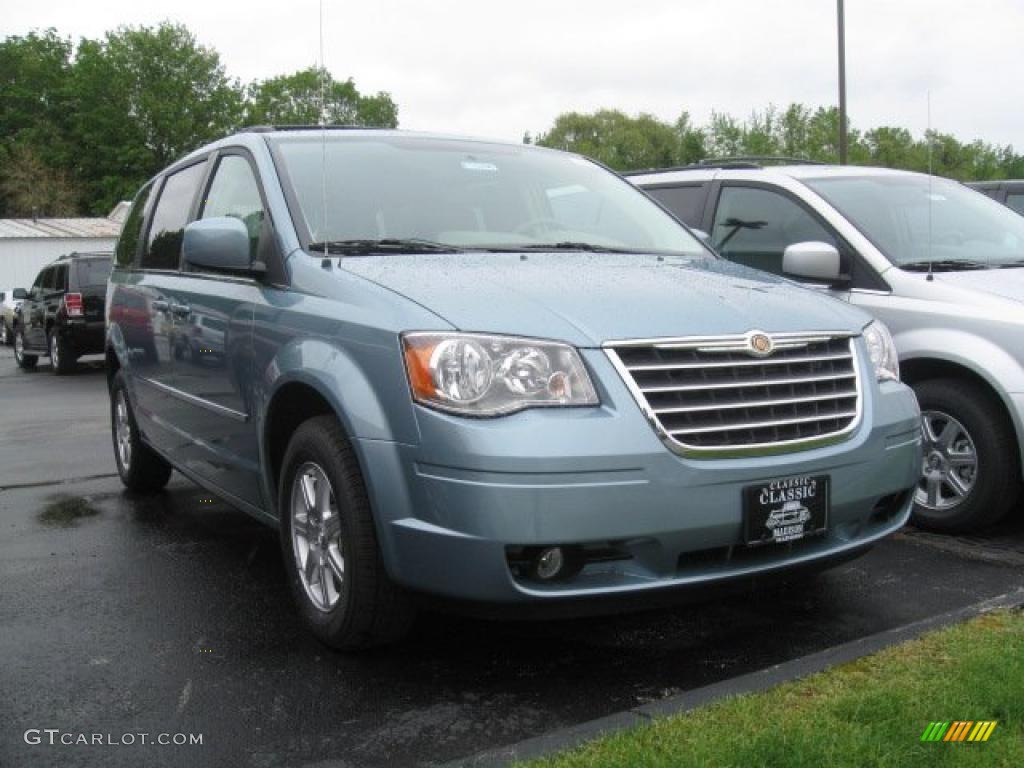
point(1009, 192)
point(62, 315)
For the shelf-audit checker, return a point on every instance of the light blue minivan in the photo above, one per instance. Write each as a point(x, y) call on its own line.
point(489, 372)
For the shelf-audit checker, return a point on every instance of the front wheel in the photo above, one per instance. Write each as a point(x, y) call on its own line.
point(970, 475)
point(141, 469)
point(23, 360)
point(5, 334)
point(330, 546)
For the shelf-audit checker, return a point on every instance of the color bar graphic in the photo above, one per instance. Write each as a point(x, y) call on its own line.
point(959, 730)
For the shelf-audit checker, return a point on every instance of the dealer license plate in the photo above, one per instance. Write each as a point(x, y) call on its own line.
point(785, 509)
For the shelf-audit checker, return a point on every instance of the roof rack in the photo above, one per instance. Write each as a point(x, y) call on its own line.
point(762, 160)
point(739, 162)
point(84, 254)
point(274, 128)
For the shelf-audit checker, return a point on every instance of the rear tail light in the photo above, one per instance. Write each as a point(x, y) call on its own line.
point(73, 304)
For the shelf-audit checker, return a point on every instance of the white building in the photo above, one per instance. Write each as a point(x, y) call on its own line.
point(26, 245)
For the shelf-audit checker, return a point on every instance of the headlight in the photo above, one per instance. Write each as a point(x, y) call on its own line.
point(479, 375)
point(882, 351)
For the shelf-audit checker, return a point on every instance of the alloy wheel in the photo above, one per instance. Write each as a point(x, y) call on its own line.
point(54, 351)
point(123, 431)
point(19, 346)
point(950, 467)
point(317, 537)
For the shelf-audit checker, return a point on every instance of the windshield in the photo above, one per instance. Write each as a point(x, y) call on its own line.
point(967, 228)
point(469, 195)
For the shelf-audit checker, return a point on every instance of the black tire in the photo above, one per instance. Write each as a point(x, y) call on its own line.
point(370, 609)
point(62, 355)
point(997, 476)
point(23, 360)
point(143, 470)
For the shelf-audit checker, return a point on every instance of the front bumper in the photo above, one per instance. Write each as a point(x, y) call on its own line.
point(448, 508)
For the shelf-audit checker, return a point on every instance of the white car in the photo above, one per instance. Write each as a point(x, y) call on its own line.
point(940, 264)
point(8, 306)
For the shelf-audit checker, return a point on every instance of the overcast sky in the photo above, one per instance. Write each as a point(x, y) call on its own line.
point(500, 67)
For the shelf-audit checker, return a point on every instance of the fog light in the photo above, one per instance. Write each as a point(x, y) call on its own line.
point(549, 563)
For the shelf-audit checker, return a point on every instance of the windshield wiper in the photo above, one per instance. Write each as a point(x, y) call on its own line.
point(735, 225)
point(944, 265)
point(572, 245)
point(384, 245)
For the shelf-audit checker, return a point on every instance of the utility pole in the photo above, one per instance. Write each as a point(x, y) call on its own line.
point(842, 83)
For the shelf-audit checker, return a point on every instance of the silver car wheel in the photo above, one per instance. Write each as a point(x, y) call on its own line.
point(4, 333)
point(316, 537)
point(19, 346)
point(123, 431)
point(950, 469)
point(54, 354)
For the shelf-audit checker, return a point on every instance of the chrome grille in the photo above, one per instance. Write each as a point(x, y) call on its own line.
point(716, 395)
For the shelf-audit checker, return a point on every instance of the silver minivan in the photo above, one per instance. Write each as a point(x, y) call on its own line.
point(942, 265)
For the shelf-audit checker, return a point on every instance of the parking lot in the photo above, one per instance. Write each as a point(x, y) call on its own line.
point(170, 614)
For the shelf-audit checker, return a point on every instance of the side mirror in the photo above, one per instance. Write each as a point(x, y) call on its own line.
point(813, 261)
point(20, 293)
point(220, 243)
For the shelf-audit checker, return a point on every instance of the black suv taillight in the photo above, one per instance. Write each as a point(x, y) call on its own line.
point(73, 304)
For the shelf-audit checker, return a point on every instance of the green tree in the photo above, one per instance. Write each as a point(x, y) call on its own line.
point(889, 146)
point(295, 99)
point(761, 133)
point(615, 139)
point(145, 96)
point(34, 117)
point(692, 141)
point(793, 129)
point(29, 187)
point(725, 136)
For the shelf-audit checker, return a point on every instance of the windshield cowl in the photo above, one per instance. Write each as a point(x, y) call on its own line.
point(945, 265)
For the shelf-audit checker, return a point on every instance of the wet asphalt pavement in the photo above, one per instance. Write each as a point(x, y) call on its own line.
point(170, 614)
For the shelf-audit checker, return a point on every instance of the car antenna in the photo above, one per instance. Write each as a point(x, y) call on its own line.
point(928, 137)
point(326, 263)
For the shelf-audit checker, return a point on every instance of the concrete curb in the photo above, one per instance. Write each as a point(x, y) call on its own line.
point(62, 481)
point(753, 682)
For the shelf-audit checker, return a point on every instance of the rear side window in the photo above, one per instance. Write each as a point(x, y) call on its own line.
point(60, 277)
point(163, 246)
point(687, 203)
point(49, 279)
point(92, 272)
point(128, 242)
point(235, 193)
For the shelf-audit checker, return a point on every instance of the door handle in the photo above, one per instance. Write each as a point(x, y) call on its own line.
point(160, 306)
point(181, 310)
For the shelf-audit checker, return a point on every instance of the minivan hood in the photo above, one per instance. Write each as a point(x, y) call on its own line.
point(1005, 283)
point(587, 299)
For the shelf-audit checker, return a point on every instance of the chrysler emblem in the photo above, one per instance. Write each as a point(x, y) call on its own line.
point(760, 344)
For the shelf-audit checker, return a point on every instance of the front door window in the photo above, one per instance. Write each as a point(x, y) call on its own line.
point(753, 226)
